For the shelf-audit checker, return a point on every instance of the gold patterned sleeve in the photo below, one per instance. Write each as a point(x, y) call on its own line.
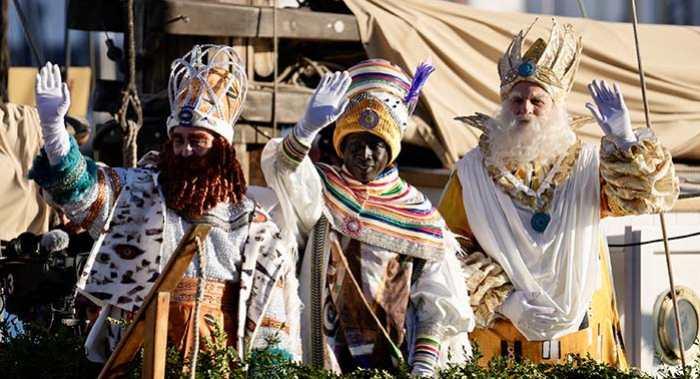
point(488, 286)
point(487, 283)
point(637, 180)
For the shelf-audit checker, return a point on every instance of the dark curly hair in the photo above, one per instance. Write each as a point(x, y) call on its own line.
point(193, 185)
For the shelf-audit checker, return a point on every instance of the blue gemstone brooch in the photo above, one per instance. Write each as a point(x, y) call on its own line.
point(539, 221)
point(527, 68)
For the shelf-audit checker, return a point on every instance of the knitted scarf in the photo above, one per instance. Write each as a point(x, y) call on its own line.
point(386, 212)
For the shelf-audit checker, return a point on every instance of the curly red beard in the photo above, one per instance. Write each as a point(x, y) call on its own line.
point(193, 185)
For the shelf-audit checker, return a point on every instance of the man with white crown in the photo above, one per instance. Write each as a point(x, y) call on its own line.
point(380, 280)
point(243, 276)
point(530, 199)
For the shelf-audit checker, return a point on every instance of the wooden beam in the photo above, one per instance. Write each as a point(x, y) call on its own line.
point(211, 19)
point(248, 134)
point(156, 338)
point(291, 104)
point(216, 19)
point(167, 281)
point(243, 159)
point(95, 15)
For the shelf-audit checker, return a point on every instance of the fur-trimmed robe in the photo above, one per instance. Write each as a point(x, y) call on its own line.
point(125, 211)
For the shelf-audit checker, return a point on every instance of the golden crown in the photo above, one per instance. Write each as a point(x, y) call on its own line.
point(552, 64)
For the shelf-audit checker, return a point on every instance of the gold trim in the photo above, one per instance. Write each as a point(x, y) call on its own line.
point(538, 173)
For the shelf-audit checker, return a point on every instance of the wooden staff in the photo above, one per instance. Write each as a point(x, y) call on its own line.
point(661, 214)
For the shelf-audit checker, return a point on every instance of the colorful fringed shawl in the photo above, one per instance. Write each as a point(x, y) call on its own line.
point(387, 212)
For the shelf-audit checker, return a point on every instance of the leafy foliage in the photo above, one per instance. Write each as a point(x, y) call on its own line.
point(38, 353)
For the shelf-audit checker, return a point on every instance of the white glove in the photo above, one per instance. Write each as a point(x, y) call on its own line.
point(518, 308)
point(325, 106)
point(611, 113)
point(52, 102)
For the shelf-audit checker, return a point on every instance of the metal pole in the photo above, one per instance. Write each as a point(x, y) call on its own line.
point(661, 215)
point(582, 9)
point(66, 44)
point(275, 42)
point(27, 33)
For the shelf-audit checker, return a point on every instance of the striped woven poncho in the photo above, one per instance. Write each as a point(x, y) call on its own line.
point(387, 212)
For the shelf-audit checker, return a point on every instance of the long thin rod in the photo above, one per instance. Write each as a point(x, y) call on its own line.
point(642, 78)
point(275, 42)
point(27, 33)
point(661, 215)
point(582, 9)
point(66, 43)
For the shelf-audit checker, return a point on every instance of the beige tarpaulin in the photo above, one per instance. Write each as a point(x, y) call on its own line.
point(466, 43)
point(21, 208)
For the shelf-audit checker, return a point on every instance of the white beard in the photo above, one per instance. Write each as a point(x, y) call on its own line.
point(542, 140)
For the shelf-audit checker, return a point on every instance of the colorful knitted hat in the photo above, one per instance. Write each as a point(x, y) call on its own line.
point(382, 98)
point(207, 88)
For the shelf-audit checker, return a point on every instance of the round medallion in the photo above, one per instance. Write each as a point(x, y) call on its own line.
point(186, 115)
point(368, 118)
point(527, 68)
point(539, 221)
point(353, 226)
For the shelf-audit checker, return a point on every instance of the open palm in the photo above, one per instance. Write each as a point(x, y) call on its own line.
point(327, 103)
point(610, 110)
point(52, 102)
point(52, 96)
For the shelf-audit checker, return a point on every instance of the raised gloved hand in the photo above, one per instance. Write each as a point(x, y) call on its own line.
point(325, 106)
point(519, 309)
point(52, 102)
point(611, 113)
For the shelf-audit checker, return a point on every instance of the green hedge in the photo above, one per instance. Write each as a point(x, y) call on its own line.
point(38, 353)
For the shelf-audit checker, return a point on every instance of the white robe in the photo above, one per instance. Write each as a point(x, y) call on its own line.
point(438, 297)
point(561, 264)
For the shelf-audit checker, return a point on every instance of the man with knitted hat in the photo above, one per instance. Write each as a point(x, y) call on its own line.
point(380, 280)
point(242, 276)
point(530, 199)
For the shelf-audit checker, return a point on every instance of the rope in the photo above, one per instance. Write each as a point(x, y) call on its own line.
point(130, 97)
point(201, 278)
point(661, 214)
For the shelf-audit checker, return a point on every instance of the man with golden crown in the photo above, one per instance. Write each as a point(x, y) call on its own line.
point(380, 280)
point(530, 199)
point(243, 275)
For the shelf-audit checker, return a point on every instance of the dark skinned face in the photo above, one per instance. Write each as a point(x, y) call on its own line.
point(365, 156)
